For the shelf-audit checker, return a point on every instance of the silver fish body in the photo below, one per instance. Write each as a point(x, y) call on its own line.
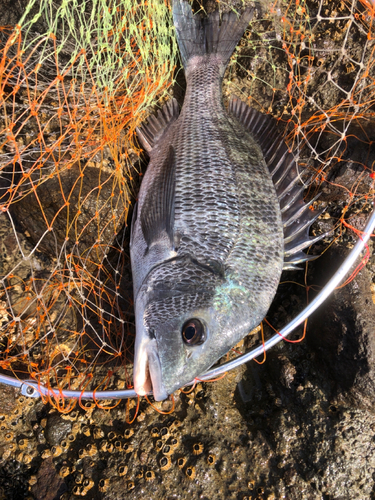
point(207, 243)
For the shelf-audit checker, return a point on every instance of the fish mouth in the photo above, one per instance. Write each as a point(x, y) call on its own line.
point(147, 375)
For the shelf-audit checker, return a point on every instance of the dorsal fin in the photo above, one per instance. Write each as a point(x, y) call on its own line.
point(149, 134)
point(157, 214)
point(296, 214)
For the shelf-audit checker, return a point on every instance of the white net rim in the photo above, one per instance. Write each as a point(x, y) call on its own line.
point(31, 388)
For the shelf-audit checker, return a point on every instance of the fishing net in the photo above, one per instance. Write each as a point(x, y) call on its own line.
point(76, 78)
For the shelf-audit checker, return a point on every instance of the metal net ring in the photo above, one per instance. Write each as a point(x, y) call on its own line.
point(32, 389)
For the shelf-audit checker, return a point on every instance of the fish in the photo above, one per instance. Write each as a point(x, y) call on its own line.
point(219, 215)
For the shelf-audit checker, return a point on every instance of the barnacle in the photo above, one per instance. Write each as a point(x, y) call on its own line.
point(164, 432)
point(70, 437)
point(89, 406)
point(87, 484)
point(200, 394)
point(6, 454)
point(190, 472)
point(103, 485)
point(64, 444)
point(23, 443)
point(181, 462)
point(9, 436)
point(16, 412)
point(159, 445)
point(77, 490)
point(130, 485)
point(128, 448)
point(56, 450)
point(12, 447)
point(165, 463)
point(91, 449)
point(128, 433)
point(24, 457)
point(70, 416)
point(86, 430)
point(79, 478)
point(198, 448)
point(75, 428)
point(174, 443)
point(211, 459)
point(46, 453)
point(64, 471)
point(118, 445)
point(97, 433)
point(174, 425)
point(167, 450)
point(122, 470)
point(103, 446)
point(150, 475)
point(111, 436)
point(155, 432)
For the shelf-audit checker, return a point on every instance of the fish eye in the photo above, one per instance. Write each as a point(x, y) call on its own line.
point(193, 332)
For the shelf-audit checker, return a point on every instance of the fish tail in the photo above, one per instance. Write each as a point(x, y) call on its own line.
point(198, 36)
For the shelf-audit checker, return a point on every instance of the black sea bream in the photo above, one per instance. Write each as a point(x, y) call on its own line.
point(219, 215)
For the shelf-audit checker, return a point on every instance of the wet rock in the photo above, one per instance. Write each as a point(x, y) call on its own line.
point(342, 334)
point(13, 481)
point(7, 399)
point(82, 204)
point(49, 485)
point(56, 429)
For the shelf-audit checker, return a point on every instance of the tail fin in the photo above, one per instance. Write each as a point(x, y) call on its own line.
point(197, 35)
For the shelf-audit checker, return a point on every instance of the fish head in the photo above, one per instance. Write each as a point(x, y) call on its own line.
point(188, 315)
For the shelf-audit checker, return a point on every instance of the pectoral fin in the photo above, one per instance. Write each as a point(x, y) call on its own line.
point(157, 214)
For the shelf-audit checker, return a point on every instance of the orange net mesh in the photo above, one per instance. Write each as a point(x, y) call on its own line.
point(311, 65)
point(70, 100)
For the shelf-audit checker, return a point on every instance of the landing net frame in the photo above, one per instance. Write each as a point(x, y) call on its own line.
point(34, 390)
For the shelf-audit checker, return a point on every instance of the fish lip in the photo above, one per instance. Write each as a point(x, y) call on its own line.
point(147, 369)
point(154, 367)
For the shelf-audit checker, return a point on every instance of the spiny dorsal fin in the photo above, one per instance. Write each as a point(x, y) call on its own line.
point(149, 134)
point(157, 214)
point(296, 214)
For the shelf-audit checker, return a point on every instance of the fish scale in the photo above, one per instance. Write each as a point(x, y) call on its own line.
point(207, 236)
point(213, 158)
